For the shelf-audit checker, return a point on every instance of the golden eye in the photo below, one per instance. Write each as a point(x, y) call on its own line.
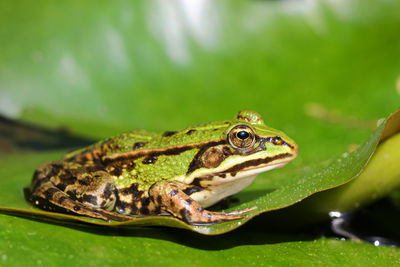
point(241, 136)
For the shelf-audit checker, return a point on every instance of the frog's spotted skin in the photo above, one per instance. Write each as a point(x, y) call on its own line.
point(177, 172)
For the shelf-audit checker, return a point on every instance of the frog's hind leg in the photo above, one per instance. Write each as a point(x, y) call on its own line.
point(53, 199)
point(93, 196)
point(170, 197)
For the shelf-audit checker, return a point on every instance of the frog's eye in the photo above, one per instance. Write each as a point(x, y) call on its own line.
point(241, 136)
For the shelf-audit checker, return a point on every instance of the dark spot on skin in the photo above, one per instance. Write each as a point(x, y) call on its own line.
point(55, 169)
point(157, 210)
point(171, 203)
point(159, 199)
point(50, 192)
point(190, 131)
point(145, 202)
point(77, 208)
point(150, 160)
point(117, 171)
point(134, 209)
point(189, 201)
point(191, 190)
point(169, 133)
point(222, 175)
point(90, 199)
point(117, 167)
point(61, 186)
point(197, 180)
point(61, 199)
point(138, 145)
point(85, 181)
point(132, 190)
point(107, 191)
point(72, 195)
point(131, 166)
point(144, 211)
point(173, 193)
point(233, 174)
point(185, 214)
point(67, 177)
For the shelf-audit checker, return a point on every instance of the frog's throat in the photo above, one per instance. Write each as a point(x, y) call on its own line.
point(225, 173)
point(219, 188)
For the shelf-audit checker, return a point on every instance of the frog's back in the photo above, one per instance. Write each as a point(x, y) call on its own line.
point(142, 140)
point(134, 140)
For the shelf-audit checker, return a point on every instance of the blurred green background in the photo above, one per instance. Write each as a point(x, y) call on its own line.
point(102, 68)
point(322, 71)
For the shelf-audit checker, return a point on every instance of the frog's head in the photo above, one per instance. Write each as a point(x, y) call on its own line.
point(248, 148)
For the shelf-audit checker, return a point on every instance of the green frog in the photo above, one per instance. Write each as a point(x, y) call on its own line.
point(179, 173)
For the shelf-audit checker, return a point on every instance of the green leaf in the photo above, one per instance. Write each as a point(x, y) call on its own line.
point(322, 73)
point(273, 193)
point(36, 243)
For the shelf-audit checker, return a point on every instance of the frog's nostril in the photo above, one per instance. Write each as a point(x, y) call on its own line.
point(296, 148)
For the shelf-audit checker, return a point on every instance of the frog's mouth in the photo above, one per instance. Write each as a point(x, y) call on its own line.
point(256, 166)
point(227, 173)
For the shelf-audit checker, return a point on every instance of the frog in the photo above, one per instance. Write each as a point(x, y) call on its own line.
point(175, 173)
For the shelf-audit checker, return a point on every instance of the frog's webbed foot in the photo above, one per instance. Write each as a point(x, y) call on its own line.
point(172, 199)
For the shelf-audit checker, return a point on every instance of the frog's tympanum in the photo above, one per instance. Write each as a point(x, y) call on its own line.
point(178, 172)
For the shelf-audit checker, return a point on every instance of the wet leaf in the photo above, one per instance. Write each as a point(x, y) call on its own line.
point(266, 194)
point(322, 73)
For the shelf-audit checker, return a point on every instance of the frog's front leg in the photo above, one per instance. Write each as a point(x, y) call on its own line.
point(92, 194)
point(170, 197)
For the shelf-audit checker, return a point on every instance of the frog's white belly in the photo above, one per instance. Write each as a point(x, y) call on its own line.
point(223, 190)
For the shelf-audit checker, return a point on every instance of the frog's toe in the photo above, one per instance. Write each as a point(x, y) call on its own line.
point(239, 212)
point(208, 217)
point(108, 215)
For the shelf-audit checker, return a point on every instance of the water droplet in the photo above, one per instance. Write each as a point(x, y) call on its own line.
point(335, 214)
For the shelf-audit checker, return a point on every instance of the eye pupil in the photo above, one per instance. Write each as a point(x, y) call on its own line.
point(243, 135)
